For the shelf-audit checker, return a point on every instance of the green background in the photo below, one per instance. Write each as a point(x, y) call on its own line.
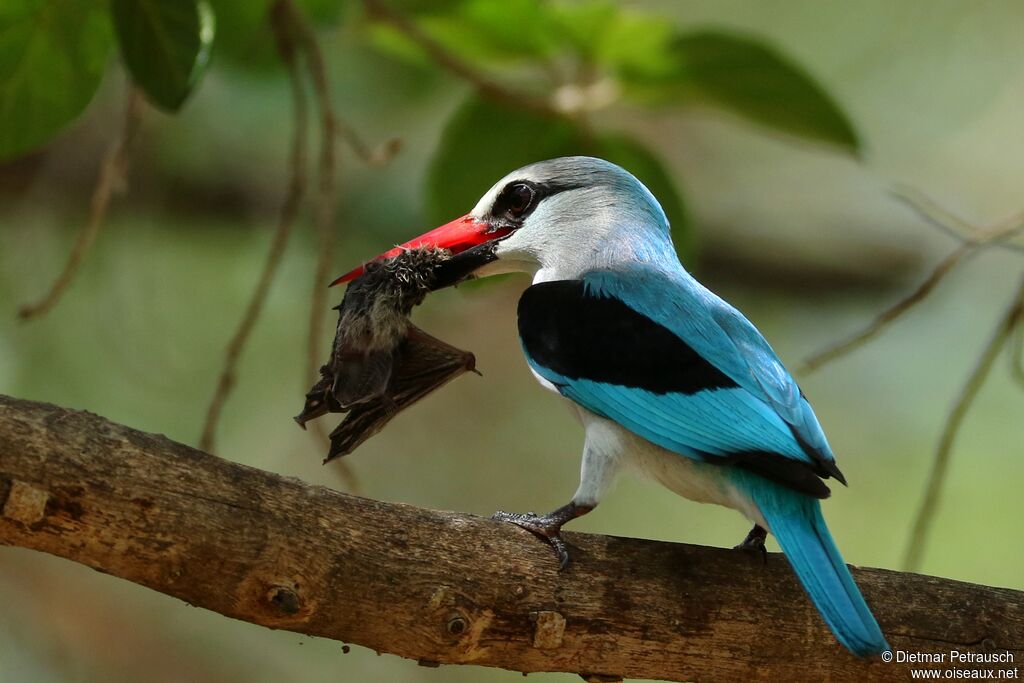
point(807, 241)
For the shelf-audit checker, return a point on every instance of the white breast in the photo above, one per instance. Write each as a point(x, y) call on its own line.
point(698, 481)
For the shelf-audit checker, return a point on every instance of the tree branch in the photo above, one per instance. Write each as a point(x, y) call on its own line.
point(971, 244)
point(443, 587)
point(947, 222)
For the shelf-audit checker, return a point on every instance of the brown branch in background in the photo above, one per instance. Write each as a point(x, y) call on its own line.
point(876, 326)
point(945, 220)
point(325, 212)
point(973, 242)
point(444, 587)
point(1017, 355)
point(1010, 321)
point(382, 11)
point(284, 34)
point(327, 200)
point(111, 178)
point(375, 156)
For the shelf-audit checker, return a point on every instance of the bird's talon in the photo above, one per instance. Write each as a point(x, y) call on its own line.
point(755, 542)
point(542, 526)
point(561, 550)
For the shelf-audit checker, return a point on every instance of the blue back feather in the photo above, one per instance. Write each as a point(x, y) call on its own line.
point(718, 332)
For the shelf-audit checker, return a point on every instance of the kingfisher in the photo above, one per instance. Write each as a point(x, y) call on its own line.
point(665, 377)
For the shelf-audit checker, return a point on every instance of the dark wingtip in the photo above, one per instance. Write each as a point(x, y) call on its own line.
point(826, 464)
point(798, 475)
point(833, 471)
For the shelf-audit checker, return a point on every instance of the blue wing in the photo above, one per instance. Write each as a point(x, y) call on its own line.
point(670, 361)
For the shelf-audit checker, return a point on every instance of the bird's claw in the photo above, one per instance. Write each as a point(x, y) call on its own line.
point(542, 526)
point(755, 542)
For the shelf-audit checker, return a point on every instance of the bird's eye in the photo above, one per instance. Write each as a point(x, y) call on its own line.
point(520, 197)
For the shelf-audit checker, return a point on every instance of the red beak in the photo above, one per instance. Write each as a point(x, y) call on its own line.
point(457, 236)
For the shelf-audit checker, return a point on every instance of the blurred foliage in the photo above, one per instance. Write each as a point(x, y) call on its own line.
point(244, 38)
point(574, 59)
point(459, 174)
point(936, 88)
point(52, 57)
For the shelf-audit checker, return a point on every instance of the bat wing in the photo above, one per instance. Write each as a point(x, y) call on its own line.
point(423, 364)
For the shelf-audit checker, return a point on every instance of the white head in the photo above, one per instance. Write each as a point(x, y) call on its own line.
point(569, 214)
point(562, 217)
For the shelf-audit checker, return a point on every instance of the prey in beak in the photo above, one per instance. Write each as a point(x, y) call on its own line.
point(468, 239)
point(380, 362)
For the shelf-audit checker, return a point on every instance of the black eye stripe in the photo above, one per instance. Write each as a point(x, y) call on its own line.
point(508, 209)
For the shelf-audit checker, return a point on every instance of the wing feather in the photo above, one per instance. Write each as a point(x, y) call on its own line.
point(689, 386)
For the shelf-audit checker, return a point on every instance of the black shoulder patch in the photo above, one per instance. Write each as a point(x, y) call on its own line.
point(582, 336)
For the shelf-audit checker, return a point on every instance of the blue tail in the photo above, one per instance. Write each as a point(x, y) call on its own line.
point(796, 522)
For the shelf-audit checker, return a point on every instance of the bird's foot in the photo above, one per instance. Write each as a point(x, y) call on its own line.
point(547, 527)
point(755, 542)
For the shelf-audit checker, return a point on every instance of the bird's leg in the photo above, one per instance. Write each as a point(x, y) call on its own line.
point(755, 541)
point(597, 471)
point(547, 527)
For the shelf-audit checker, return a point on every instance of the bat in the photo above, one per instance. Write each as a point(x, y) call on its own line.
point(380, 362)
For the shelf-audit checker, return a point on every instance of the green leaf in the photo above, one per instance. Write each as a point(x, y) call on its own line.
point(420, 7)
point(584, 25)
point(52, 57)
point(641, 162)
point(245, 38)
point(321, 13)
point(756, 81)
point(637, 45)
point(484, 141)
point(165, 45)
point(512, 28)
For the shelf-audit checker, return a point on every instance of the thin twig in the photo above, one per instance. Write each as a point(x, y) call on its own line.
point(1017, 355)
point(834, 351)
point(327, 191)
point(487, 87)
point(325, 210)
point(380, 155)
point(283, 32)
point(977, 240)
point(945, 220)
point(925, 515)
point(111, 178)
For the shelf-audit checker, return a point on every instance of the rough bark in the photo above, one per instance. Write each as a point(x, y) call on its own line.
point(444, 587)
